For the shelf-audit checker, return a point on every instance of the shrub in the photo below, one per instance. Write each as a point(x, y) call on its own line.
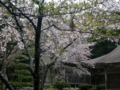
point(85, 86)
point(100, 86)
point(60, 85)
point(19, 76)
point(49, 88)
point(20, 84)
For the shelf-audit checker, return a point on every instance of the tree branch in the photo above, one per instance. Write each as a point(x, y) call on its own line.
point(46, 28)
point(69, 44)
point(18, 14)
point(25, 46)
point(69, 30)
point(9, 24)
point(8, 85)
point(25, 16)
point(31, 15)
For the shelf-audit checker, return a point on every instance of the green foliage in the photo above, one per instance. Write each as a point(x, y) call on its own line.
point(108, 32)
point(100, 87)
point(102, 47)
point(50, 88)
point(60, 85)
point(90, 40)
point(90, 87)
point(20, 84)
point(20, 77)
point(22, 64)
point(22, 56)
point(22, 71)
point(86, 86)
point(101, 31)
point(60, 52)
point(1, 5)
point(15, 84)
point(2, 26)
point(113, 33)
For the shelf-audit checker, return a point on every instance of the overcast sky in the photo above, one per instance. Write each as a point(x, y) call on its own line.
point(66, 0)
point(76, 0)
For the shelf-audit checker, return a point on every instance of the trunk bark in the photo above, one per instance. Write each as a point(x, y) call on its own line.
point(4, 78)
point(37, 61)
point(3, 69)
point(43, 78)
point(6, 82)
point(38, 51)
point(37, 55)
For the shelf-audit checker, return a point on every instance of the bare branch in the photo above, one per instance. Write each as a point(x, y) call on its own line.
point(69, 44)
point(46, 28)
point(10, 51)
point(69, 64)
point(25, 45)
point(6, 82)
point(29, 55)
point(9, 24)
point(61, 29)
point(43, 15)
point(25, 16)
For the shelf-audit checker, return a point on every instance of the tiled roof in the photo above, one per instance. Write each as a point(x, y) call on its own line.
point(112, 57)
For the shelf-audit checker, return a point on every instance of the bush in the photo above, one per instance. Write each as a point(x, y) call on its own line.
point(60, 85)
point(100, 87)
point(20, 84)
point(50, 88)
point(85, 86)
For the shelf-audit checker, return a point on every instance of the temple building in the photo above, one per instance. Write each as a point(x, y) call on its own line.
point(107, 70)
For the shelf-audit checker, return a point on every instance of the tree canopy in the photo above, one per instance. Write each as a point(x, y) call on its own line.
point(102, 46)
point(52, 28)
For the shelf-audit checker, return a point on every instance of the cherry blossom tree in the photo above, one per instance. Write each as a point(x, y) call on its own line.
point(34, 21)
point(72, 60)
point(18, 23)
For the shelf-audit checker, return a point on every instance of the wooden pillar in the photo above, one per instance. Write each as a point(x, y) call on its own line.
point(105, 79)
point(84, 77)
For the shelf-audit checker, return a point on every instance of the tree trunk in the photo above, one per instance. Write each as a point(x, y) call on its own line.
point(43, 78)
point(6, 82)
point(3, 69)
point(37, 55)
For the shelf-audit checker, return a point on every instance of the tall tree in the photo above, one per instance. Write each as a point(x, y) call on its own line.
point(22, 17)
point(102, 46)
point(32, 17)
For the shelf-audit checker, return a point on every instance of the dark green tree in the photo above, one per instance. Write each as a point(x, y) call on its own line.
point(102, 47)
point(20, 76)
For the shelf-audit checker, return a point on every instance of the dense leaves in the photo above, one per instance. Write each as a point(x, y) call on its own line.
point(102, 46)
point(19, 75)
point(60, 85)
point(53, 27)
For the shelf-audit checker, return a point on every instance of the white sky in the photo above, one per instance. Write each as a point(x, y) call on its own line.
point(66, 0)
point(76, 0)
